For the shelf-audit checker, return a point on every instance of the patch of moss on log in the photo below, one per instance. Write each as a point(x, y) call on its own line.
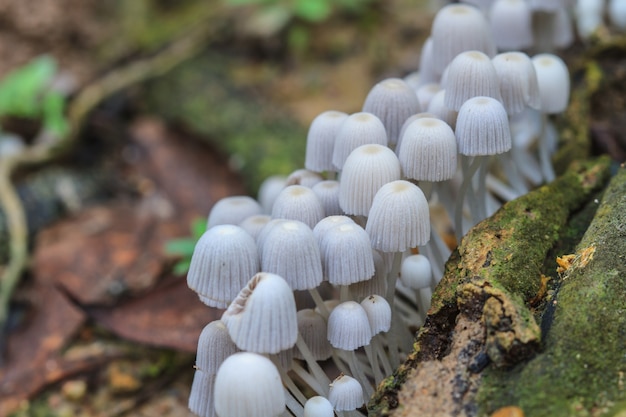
point(498, 262)
point(582, 368)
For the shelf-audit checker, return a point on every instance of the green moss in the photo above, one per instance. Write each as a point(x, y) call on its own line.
point(582, 368)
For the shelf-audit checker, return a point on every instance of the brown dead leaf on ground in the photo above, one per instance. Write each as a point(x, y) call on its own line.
point(111, 257)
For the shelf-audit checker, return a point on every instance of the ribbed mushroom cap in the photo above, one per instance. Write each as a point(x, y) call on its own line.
point(269, 190)
point(297, 202)
point(428, 150)
point(328, 194)
point(399, 218)
point(378, 313)
point(367, 169)
point(201, 395)
point(518, 82)
point(482, 127)
point(406, 124)
point(358, 129)
point(470, 74)
point(291, 251)
point(263, 316)
point(312, 328)
point(254, 224)
point(416, 272)
point(348, 326)
point(232, 210)
point(554, 82)
point(214, 346)
point(441, 111)
point(326, 223)
point(458, 28)
point(248, 385)
point(345, 393)
point(318, 407)
point(376, 284)
point(392, 101)
point(222, 259)
point(511, 24)
point(346, 254)
point(320, 140)
point(304, 177)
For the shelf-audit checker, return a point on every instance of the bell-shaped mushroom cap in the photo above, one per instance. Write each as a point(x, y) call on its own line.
point(297, 202)
point(470, 74)
point(406, 124)
point(269, 190)
point(367, 169)
point(326, 223)
point(248, 385)
point(378, 313)
point(482, 127)
point(358, 129)
point(428, 150)
point(399, 218)
point(320, 141)
point(438, 108)
point(312, 328)
point(232, 210)
point(328, 194)
point(554, 82)
point(291, 251)
point(214, 346)
point(376, 284)
point(348, 326)
point(254, 224)
point(201, 395)
point(511, 24)
point(458, 28)
point(318, 407)
point(263, 316)
point(589, 17)
point(427, 73)
point(346, 254)
point(304, 177)
point(392, 101)
point(345, 393)
point(222, 259)
point(518, 81)
point(416, 272)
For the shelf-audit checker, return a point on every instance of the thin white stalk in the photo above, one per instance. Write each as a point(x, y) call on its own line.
point(544, 152)
point(308, 379)
point(319, 303)
point(357, 372)
point(379, 350)
point(393, 339)
point(292, 404)
point(468, 174)
point(288, 382)
point(375, 365)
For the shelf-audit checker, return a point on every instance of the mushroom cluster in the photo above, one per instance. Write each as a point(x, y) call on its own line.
point(332, 270)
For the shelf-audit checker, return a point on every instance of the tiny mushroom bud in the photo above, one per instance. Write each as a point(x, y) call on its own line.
point(378, 313)
point(348, 326)
point(248, 385)
point(232, 210)
point(346, 393)
point(318, 407)
point(554, 82)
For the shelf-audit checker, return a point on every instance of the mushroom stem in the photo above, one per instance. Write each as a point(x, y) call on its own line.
point(392, 277)
point(308, 379)
point(465, 185)
point(292, 404)
point(357, 371)
point(544, 152)
point(373, 359)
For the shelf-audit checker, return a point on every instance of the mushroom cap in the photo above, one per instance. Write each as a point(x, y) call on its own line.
point(470, 74)
point(518, 82)
point(255, 223)
point(554, 82)
point(214, 346)
point(482, 127)
point(358, 129)
point(222, 259)
point(328, 222)
point(428, 150)
point(263, 316)
point(248, 385)
point(320, 140)
point(328, 194)
point(348, 326)
point(440, 110)
point(290, 250)
point(269, 190)
point(345, 393)
point(312, 328)
point(367, 169)
point(304, 177)
point(511, 24)
point(399, 218)
point(232, 210)
point(346, 254)
point(378, 313)
point(376, 284)
point(318, 407)
point(201, 394)
point(416, 272)
point(392, 101)
point(297, 202)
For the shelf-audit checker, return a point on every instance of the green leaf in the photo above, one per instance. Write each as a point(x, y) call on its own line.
point(198, 227)
point(181, 267)
point(182, 247)
point(53, 107)
point(313, 10)
point(20, 89)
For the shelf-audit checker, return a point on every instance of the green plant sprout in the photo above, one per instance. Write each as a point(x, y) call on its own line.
point(26, 92)
point(183, 247)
